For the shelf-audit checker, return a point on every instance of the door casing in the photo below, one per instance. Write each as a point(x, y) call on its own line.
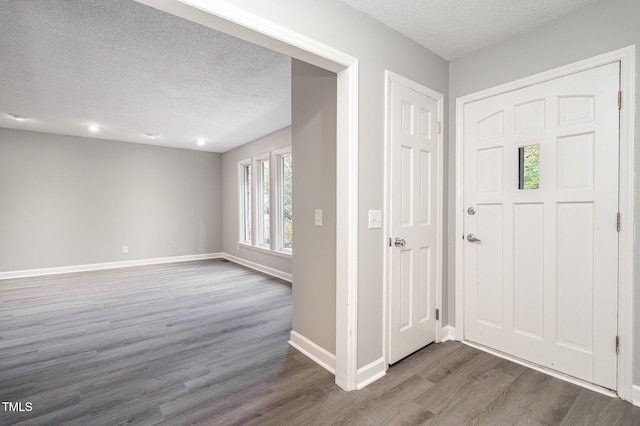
point(392, 77)
point(626, 56)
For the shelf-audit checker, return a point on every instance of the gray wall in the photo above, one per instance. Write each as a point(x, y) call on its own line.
point(313, 124)
point(378, 48)
point(230, 190)
point(596, 29)
point(68, 200)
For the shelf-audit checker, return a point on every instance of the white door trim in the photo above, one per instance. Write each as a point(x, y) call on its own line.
point(233, 20)
point(439, 97)
point(626, 56)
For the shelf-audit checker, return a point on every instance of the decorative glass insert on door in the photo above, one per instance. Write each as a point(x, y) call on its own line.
point(529, 167)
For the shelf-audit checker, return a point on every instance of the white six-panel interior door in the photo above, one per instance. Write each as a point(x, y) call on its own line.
point(415, 216)
point(540, 270)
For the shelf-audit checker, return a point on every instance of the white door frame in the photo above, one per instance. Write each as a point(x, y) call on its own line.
point(626, 56)
point(238, 22)
point(390, 77)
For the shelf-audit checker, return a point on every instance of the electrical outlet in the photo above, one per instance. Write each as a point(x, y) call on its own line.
point(125, 249)
point(318, 218)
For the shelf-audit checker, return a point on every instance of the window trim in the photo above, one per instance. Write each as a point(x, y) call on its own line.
point(243, 221)
point(262, 249)
point(278, 154)
point(276, 200)
point(258, 186)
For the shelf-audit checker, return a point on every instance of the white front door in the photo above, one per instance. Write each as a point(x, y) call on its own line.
point(541, 202)
point(415, 216)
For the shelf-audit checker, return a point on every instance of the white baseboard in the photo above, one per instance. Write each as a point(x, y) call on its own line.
point(142, 262)
point(318, 354)
point(370, 373)
point(448, 333)
point(636, 395)
point(260, 268)
point(106, 265)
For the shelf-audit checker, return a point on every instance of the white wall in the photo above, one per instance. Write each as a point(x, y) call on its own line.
point(602, 27)
point(67, 201)
point(313, 123)
point(230, 191)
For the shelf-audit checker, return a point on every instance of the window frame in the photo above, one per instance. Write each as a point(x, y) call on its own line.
point(245, 196)
point(259, 201)
point(279, 217)
point(256, 203)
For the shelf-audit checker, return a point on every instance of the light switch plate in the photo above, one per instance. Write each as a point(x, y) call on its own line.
point(375, 219)
point(318, 217)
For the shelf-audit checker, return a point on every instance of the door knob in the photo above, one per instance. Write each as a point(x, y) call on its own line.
point(472, 238)
point(399, 242)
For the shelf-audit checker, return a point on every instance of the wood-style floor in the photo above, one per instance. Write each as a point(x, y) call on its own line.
point(206, 343)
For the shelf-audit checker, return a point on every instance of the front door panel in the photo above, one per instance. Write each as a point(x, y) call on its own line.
point(541, 172)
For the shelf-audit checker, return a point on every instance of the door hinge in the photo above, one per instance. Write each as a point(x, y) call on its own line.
point(439, 127)
point(618, 222)
point(619, 99)
point(437, 314)
point(617, 345)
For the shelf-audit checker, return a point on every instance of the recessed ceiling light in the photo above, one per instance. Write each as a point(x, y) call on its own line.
point(17, 116)
point(201, 142)
point(93, 127)
point(152, 135)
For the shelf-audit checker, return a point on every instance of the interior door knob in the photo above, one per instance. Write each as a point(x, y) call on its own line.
point(400, 242)
point(472, 238)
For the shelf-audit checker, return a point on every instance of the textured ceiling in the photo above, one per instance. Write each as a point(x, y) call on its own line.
point(132, 70)
point(455, 28)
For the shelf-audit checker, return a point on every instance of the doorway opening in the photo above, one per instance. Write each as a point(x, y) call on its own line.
point(237, 22)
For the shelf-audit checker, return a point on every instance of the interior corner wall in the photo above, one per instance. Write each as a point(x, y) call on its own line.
point(599, 28)
point(231, 203)
point(69, 201)
point(313, 129)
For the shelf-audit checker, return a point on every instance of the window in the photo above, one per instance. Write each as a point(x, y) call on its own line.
point(263, 201)
point(286, 201)
point(245, 201)
point(529, 167)
point(265, 184)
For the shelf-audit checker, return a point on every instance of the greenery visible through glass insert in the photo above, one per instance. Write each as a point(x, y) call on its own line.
point(529, 167)
point(287, 203)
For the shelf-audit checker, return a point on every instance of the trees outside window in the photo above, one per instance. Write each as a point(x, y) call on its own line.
point(286, 216)
point(529, 167)
point(266, 201)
